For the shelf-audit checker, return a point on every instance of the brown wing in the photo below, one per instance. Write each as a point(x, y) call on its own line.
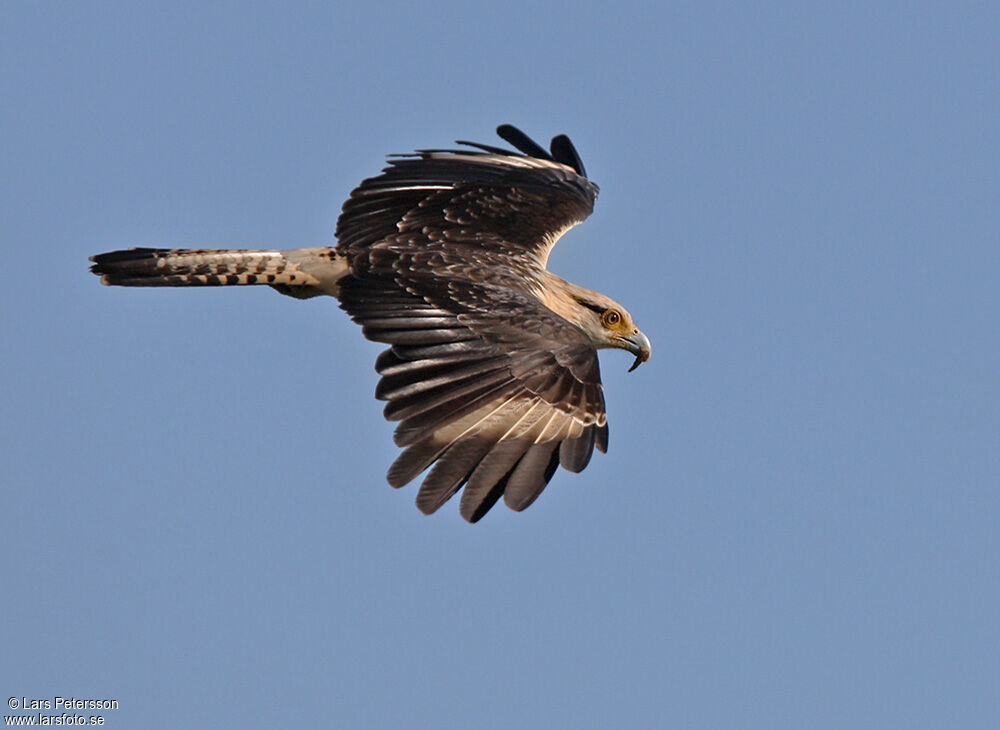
point(493, 391)
point(516, 203)
point(488, 385)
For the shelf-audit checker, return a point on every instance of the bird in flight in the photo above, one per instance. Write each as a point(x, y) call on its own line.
point(492, 368)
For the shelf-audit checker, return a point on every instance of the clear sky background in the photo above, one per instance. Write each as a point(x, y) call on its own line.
point(797, 523)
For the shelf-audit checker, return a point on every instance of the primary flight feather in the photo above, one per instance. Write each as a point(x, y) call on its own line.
point(492, 368)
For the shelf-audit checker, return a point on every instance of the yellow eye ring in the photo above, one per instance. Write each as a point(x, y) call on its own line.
point(611, 318)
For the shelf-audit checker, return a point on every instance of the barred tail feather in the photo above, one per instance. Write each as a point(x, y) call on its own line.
point(302, 272)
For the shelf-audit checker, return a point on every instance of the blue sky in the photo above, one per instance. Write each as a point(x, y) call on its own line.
point(796, 523)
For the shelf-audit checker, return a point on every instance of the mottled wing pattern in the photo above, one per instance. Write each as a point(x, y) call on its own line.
point(521, 205)
point(492, 390)
point(490, 387)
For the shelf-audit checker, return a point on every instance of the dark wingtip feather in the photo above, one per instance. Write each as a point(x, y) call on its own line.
point(531, 475)
point(524, 143)
point(574, 454)
point(563, 151)
point(491, 498)
point(480, 492)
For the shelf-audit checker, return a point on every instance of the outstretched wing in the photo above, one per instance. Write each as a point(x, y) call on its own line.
point(515, 202)
point(490, 387)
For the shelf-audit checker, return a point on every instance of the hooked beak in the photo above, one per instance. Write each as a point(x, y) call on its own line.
point(640, 346)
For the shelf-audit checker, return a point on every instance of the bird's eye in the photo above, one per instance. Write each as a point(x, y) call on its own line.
point(611, 318)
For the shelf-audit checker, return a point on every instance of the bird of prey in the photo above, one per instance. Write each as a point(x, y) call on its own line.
point(492, 368)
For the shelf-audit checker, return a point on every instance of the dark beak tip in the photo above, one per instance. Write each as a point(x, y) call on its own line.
point(640, 359)
point(638, 344)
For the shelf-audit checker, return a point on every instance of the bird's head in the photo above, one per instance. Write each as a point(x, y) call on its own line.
point(609, 324)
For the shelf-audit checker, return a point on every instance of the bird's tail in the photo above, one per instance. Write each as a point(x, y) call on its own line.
point(300, 272)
